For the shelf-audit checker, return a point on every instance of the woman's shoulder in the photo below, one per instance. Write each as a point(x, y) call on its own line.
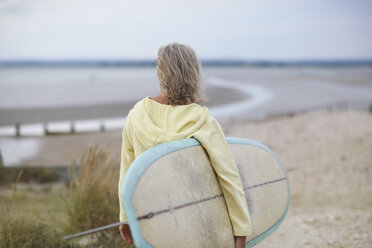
point(141, 102)
point(138, 105)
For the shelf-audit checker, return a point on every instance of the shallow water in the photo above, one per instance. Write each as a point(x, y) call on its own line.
point(14, 151)
point(63, 87)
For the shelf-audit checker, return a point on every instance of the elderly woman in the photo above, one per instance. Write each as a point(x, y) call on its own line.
point(176, 114)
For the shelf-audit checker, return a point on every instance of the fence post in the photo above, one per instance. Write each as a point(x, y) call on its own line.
point(1, 160)
point(18, 131)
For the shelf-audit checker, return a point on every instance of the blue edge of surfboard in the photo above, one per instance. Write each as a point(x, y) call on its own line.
point(140, 165)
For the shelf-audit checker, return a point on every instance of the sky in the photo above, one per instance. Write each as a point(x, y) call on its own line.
point(216, 29)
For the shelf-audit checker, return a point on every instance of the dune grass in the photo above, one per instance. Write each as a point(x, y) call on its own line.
point(92, 198)
point(39, 216)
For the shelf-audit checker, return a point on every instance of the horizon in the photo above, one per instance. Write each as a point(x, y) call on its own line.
point(52, 63)
point(201, 59)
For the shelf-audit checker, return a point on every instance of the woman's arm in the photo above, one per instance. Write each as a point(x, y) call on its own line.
point(213, 141)
point(127, 157)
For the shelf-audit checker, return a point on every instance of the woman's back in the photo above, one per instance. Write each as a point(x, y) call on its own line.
point(151, 123)
point(178, 115)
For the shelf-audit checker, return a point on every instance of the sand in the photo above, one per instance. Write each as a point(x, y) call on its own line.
point(328, 158)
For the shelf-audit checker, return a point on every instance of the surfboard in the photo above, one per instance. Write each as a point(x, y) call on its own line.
point(172, 197)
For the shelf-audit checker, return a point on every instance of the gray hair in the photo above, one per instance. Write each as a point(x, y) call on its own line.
point(178, 70)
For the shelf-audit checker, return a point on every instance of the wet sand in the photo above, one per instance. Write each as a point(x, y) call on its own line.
point(217, 96)
point(303, 89)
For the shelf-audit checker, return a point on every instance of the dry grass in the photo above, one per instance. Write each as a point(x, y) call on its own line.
point(92, 195)
point(92, 198)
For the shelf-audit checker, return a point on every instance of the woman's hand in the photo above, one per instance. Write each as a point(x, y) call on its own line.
point(125, 233)
point(240, 241)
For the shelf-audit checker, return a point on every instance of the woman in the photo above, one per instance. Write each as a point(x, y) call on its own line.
point(176, 114)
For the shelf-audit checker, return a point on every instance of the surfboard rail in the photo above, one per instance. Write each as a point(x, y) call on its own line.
point(146, 159)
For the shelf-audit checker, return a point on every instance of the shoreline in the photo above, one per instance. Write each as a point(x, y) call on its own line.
point(96, 125)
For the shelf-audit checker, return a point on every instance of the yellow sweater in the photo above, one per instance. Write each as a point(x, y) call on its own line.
point(150, 123)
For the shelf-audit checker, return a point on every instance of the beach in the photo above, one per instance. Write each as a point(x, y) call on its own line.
point(318, 122)
point(328, 159)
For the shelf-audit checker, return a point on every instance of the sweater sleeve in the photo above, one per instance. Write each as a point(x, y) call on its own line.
point(127, 157)
point(213, 141)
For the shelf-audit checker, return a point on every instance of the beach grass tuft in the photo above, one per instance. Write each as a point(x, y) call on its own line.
point(39, 215)
point(92, 197)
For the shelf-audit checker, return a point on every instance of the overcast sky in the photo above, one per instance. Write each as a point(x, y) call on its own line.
point(246, 29)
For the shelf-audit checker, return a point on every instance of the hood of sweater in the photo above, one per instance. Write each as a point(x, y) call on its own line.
point(157, 123)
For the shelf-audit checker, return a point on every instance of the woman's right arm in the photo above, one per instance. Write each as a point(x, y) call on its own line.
point(213, 141)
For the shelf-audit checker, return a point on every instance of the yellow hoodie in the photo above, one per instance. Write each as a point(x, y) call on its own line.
point(151, 123)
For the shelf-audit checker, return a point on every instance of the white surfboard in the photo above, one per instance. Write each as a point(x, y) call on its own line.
point(172, 197)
